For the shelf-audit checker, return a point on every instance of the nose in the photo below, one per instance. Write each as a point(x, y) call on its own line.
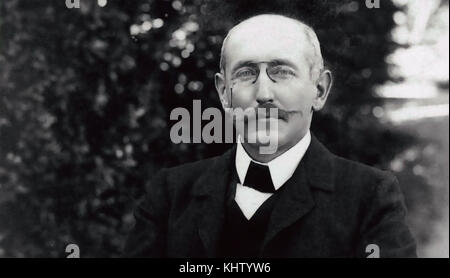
point(264, 88)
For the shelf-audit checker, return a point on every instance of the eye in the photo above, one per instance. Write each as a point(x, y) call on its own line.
point(246, 73)
point(281, 72)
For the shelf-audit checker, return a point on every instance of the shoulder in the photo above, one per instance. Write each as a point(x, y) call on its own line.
point(182, 178)
point(364, 182)
point(345, 174)
point(191, 170)
point(353, 170)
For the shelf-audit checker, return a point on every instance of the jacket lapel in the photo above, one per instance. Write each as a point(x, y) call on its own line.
point(296, 199)
point(315, 171)
point(210, 191)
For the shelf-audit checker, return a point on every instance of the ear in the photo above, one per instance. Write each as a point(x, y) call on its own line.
point(219, 80)
point(324, 84)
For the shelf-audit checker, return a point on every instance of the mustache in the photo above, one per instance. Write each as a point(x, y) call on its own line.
point(282, 113)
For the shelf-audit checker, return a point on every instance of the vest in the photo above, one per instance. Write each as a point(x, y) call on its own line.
point(242, 238)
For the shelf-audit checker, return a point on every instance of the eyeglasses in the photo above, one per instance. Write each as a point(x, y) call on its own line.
point(248, 74)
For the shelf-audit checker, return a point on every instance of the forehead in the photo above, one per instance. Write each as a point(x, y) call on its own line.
point(268, 38)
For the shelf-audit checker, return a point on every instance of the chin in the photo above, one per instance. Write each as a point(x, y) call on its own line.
point(268, 132)
point(262, 137)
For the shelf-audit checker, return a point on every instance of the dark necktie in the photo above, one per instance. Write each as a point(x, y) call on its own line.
point(258, 177)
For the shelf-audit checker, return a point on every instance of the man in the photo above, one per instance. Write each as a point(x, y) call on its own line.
point(298, 201)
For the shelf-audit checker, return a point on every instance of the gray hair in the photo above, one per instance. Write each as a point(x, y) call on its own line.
point(315, 62)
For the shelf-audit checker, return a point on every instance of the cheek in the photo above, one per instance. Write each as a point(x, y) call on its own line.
point(242, 100)
point(297, 97)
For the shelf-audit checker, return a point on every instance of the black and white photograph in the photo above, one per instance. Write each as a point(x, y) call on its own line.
point(235, 130)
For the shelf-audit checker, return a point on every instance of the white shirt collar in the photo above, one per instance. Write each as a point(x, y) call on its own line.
point(281, 168)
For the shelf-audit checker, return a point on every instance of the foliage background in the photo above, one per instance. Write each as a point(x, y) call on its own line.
point(85, 98)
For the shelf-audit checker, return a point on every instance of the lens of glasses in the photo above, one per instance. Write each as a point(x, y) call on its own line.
point(249, 76)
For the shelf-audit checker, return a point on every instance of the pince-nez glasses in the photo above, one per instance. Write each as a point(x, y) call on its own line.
point(248, 73)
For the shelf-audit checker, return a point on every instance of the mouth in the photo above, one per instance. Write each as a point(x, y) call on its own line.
point(279, 115)
point(266, 117)
point(271, 111)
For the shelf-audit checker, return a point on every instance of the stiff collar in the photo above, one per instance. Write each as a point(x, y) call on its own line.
point(281, 168)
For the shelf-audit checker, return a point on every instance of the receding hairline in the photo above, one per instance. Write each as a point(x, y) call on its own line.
point(316, 64)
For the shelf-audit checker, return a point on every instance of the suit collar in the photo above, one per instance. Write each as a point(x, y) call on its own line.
point(209, 193)
point(317, 161)
point(216, 175)
point(295, 201)
point(281, 168)
point(319, 165)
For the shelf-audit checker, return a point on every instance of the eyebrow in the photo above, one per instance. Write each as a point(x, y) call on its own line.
point(240, 64)
point(274, 62)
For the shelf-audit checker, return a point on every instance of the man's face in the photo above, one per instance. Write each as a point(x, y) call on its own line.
point(277, 52)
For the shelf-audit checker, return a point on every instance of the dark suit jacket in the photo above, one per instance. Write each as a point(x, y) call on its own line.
point(330, 207)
